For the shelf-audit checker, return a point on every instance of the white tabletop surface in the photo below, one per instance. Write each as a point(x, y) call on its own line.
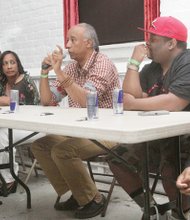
point(126, 128)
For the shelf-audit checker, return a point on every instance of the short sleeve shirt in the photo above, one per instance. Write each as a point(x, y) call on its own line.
point(98, 71)
point(176, 80)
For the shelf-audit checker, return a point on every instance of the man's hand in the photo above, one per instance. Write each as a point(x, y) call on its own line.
point(140, 52)
point(57, 58)
point(46, 65)
point(183, 181)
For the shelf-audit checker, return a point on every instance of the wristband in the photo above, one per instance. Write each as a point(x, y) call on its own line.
point(134, 62)
point(132, 67)
point(44, 76)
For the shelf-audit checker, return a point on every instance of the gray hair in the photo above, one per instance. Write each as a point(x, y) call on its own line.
point(90, 33)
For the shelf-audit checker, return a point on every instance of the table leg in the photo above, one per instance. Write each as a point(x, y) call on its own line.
point(11, 161)
point(179, 199)
point(146, 182)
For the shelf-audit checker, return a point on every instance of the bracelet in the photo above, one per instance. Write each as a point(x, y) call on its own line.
point(67, 82)
point(133, 67)
point(44, 76)
point(134, 62)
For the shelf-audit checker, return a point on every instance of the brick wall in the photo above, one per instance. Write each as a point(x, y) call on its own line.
point(31, 28)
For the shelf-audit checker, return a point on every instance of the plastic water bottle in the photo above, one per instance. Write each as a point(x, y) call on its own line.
point(92, 105)
point(118, 101)
point(96, 107)
point(92, 97)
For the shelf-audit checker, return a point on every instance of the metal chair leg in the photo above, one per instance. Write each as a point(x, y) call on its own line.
point(108, 197)
point(112, 184)
point(30, 171)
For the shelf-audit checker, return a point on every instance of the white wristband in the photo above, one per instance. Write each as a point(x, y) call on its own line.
point(132, 67)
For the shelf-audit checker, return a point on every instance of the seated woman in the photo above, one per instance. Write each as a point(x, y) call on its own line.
point(13, 76)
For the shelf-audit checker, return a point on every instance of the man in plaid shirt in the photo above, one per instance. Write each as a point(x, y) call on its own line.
point(61, 157)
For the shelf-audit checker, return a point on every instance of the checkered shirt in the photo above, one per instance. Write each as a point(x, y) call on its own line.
point(98, 71)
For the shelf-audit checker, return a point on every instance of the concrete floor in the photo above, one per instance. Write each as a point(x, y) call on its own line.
point(44, 196)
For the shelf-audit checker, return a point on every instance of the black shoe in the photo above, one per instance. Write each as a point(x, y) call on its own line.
point(69, 205)
point(91, 209)
point(9, 188)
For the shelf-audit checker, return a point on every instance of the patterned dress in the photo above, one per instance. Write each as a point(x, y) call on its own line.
point(28, 95)
point(28, 92)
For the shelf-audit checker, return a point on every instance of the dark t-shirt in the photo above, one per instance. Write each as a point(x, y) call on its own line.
point(176, 80)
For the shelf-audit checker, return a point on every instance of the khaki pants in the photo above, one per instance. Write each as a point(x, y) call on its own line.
point(61, 159)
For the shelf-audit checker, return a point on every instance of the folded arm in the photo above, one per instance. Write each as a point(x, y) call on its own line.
point(168, 102)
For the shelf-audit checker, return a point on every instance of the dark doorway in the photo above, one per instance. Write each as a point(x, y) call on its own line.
point(115, 21)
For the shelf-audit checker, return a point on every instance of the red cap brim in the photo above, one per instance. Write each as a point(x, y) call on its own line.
point(149, 31)
point(142, 29)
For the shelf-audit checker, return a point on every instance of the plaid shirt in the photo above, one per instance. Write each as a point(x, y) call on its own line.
point(98, 71)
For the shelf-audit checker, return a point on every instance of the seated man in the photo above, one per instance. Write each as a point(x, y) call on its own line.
point(164, 84)
point(61, 157)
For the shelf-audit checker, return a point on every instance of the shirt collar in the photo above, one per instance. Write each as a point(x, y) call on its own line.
point(88, 64)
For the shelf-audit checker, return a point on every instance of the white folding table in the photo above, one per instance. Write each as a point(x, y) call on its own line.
point(127, 128)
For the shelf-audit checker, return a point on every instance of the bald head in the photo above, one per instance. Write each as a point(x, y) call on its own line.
point(89, 33)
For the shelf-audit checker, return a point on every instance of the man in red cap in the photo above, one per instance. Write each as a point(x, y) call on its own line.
point(164, 84)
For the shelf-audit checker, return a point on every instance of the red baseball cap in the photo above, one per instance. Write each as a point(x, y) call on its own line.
point(168, 27)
